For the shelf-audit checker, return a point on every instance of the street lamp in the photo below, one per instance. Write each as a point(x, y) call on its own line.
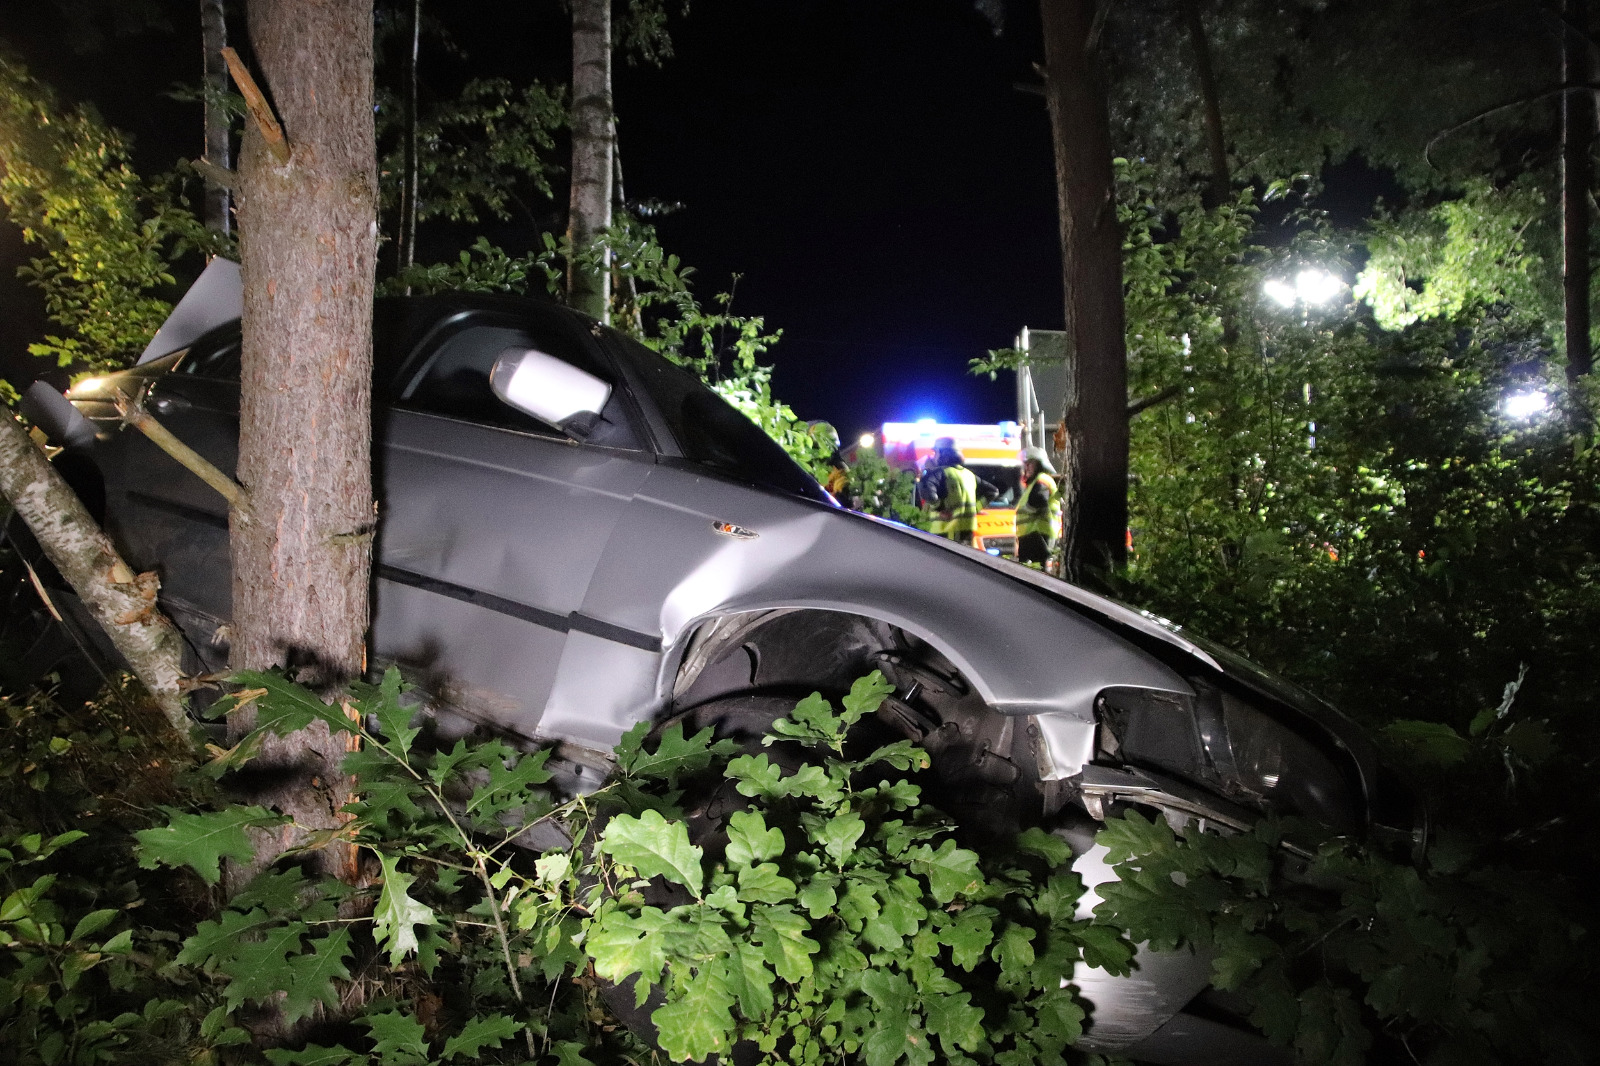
point(867, 440)
point(1310, 288)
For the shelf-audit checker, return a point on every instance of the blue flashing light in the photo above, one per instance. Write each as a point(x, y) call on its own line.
point(992, 551)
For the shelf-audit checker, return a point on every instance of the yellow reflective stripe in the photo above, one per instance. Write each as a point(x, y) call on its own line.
point(1047, 520)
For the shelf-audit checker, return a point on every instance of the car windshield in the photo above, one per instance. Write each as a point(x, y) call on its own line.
point(711, 431)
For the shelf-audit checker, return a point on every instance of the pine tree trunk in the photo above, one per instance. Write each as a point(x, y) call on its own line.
point(1577, 142)
point(1210, 99)
point(213, 38)
point(302, 547)
point(593, 138)
point(120, 600)
point(1096, 421)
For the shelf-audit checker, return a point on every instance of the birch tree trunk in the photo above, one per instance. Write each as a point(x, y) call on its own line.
point(1096, 455)
point(302, 544)
point(1210, 99)
point(124, 603)
point(1577, 142)
point(594, 135)
point(213, 39)
point(406, 245)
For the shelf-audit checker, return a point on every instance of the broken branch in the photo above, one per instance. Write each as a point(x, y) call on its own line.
point(214, 174)
point(257, 105)
point(134, 414)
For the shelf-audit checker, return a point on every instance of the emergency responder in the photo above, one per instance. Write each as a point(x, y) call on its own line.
point(1038, 508)
point(838, 479)
point(951, 492)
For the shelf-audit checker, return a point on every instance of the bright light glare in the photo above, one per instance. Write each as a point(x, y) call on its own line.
point(1282, 292)
point(1522, 405)
point(1316, 286)
point(868, 440)
point(1310, 287)
point(927, 423)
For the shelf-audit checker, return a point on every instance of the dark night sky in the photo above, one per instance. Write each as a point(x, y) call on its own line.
point(865, 165)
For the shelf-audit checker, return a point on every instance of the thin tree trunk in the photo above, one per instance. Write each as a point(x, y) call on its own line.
point(214, 37)
point(406, 245)
point(1096, 420)
point(1216, 144)
point(120, 600)
point(1577, 142)
point(302, 546)
point(593, 138)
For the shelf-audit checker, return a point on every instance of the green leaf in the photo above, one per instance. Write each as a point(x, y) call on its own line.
point(508, 786)
point(286, 707)
point(969, 936)
point(954, 1020)
point(677, 755)
point(201, 841)
point(92, 923)
point(839, 834)
point(749, 839)
point(699, 1023)
point(756, 777)
point(655, 847)
point(1052, 849)
point(397, 914)
point(398, 1039)
point(623, 944)
point(1014, 950)
point(1432, 742)
point(314, 1055)
point(818, 897)
point(781, 932)
point(748, 978)
point(865, 697)
point(763, 884)
point(393, 719)
point(951, 871)
point(312, 976)
point(480, 1032)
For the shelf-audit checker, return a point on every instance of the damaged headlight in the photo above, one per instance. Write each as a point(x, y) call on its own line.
point(1229, 747)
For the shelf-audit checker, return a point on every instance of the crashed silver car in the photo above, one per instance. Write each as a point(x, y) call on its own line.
point(578, 536)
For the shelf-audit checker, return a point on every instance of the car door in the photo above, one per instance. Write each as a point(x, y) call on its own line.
point(492, 522)
point(163, 515)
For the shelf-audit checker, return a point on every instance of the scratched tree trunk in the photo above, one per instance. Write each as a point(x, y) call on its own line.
point(594, 135)
point(1096, 519)
point(120, 600)
point(213, 38)
point(301, 547)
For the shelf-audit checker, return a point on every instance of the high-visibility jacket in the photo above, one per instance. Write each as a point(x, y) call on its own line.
point(959, 507)
point(1046, 519)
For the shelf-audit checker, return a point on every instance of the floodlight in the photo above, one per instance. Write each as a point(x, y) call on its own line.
point(1524, 405)
point(1316, 286)
point(1281, 292)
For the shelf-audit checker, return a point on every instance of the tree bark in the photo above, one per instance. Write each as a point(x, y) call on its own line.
point(301, 548)
point(1577, 143)
point(218, 153)
point(1211, 101)
point(1096, 419)
point(120, 600)
point(594, 134)
point(406, 245)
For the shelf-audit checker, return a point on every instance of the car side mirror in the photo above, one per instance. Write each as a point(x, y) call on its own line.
point(549, 389)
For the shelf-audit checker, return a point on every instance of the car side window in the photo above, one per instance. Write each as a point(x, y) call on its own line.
point(450, 377)
point(214, 355)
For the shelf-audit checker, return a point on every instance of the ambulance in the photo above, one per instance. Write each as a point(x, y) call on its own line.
point(992, 453)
